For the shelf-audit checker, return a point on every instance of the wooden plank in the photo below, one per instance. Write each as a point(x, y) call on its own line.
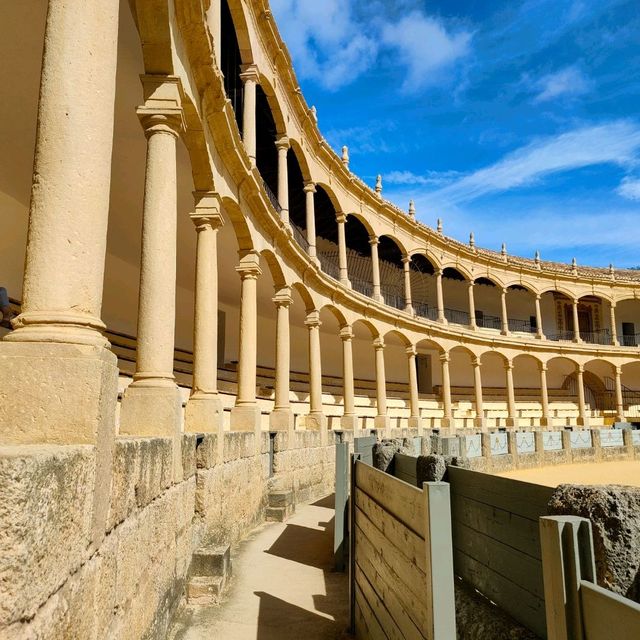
point(400, 499)
point(376, 568)
point(378, 607)
point(510, 563)
point(367, 625)
point(522, 498)
point(521, 605)
point(608, 615)
point(405, 540)
point(405, 468)
point(504, 526)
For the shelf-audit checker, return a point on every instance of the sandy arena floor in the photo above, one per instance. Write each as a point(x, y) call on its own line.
point(627, 473)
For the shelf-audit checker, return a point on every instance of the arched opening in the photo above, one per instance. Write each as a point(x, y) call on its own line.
point(630, 382)
point(397, 379)
point(423, 287)
point(488, 305)
point(231, 61)
point(522, 312)
point(526, 379)
point(600, 389)
point(326, 233)
point(462, 387)
point(455, 296)
point(391, 275)
point(332, 381)
point(266, 151)
point(591, 320)
point(297, 199)
point(494, 389)
point(364, 372)
point(359, 255)
point(562, 390)
point(430, 388)
point(627, 322)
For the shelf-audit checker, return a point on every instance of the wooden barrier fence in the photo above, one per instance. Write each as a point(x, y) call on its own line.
point(401, 558)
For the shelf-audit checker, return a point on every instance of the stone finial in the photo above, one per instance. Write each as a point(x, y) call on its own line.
point(314, 114)
point(412, 210)
point(379, 185)
point(345, 156)
point(472, 240)
point(503, 250)
point(612, 271)
point(574, 266)
point(439, 227)
point(537, 260)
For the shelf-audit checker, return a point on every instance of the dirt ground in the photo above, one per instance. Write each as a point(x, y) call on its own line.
point(626, 473)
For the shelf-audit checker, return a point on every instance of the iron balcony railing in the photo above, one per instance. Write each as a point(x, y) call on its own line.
point(362, 286)
point(603, 336)
point(392, 297)
point(300, 236)
point(561, 336)
point(632, 340)
point(272, 197)
point(457, 317)
point(521, 326)
point(488, 322)
point(423, 310)
point(329, 264)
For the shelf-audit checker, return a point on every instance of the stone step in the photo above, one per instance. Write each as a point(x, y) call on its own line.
point(203, 590)
point(209, 573)
point(281, 506)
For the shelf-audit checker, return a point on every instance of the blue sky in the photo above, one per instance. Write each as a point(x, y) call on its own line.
point(518, 120)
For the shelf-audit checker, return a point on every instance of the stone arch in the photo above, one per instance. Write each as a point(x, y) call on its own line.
point(338, 315)
point(363, 221)
point(275, 267)
point(305, 294)
point(301, 158)
point(240, 22)
point(274, 105)
point(399, 335)
point(393, 239)
point(371, 328)
point(238, 221)
point(452, 267)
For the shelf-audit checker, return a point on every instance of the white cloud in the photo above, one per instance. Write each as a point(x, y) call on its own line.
point(613, 143)
point(569, 81)
point(328, 45)
point(630, 188)
point(425, 47)
point(429, 178)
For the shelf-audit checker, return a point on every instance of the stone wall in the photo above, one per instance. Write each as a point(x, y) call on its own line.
point(59, 580)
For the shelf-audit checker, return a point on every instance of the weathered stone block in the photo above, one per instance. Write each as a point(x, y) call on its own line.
point(46, 522)
point(211, 561)
point(155, 470)
point(207, 451)
point(124, 480)
point(188, 442)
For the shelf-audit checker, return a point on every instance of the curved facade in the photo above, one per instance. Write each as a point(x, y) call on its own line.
point(335, 309)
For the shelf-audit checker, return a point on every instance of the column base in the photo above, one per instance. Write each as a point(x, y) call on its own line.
point(61, 394)
point(317, 422)
point(246, 418)
point(512, 422)
point(582, 422)
point(203, 413)
point(382, 424)
point(154, 412)
point(349, 423)
point(415, 422)
point(447, 423)
point(281, 420)
point(480, 423)
point(545, 422)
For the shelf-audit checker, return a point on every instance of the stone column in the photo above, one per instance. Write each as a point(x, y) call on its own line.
point(583, 419)
point(282, 145)
point(576, 322)
point(349, 419)
point(447, 419)
point(250, 78)
point(477, 384)
point(545, 421)
point(381, 421)
point(152, 404)
point(512, 418)
point(58, 380)
point(281, 418)
point(614, 327)
point(415, 422)
point(539, 329)
point(619, 399)
point(310, 190)
point(472, 306)
point(203, 412)
point(375, 268)
point(505, 314)
point(440, 297)
point(245, 416)
point(315, 420)
point(341, 219)
point(408, 304)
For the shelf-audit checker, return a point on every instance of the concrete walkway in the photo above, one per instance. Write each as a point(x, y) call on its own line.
point(284, 586)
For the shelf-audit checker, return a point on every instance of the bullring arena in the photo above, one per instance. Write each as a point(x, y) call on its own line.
point(207, 309)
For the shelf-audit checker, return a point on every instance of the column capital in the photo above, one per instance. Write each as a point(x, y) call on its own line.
point(508, 365)
point(476, 362)
point(543, 366)
point(580, 368)
point(438, 272)
point(378, 344)
point(445, 357)
point(373, 240)
point(249, 266)
point(154, 120)
point(283, 297)
point(309, 187)
point(411, 351)
point(346, 333)
point(406, 259)
point(341, 218)
point(207, 210)
point(283, 143)
point(613, 304)
point(618, 371)
point(249, 72)
point(162, 108)
point(313, 319)
point(471, 283)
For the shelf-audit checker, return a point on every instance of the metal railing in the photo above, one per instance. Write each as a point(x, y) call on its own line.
point(272, 197)
point(393, 297)
point(299, 236)
point(423, 310)
point(632, 340)
point(362, 286)
point(488, 322)
point(603, 336)
point(329, 264)
point(521, 326)
point(561, 336)
point(457, 317)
